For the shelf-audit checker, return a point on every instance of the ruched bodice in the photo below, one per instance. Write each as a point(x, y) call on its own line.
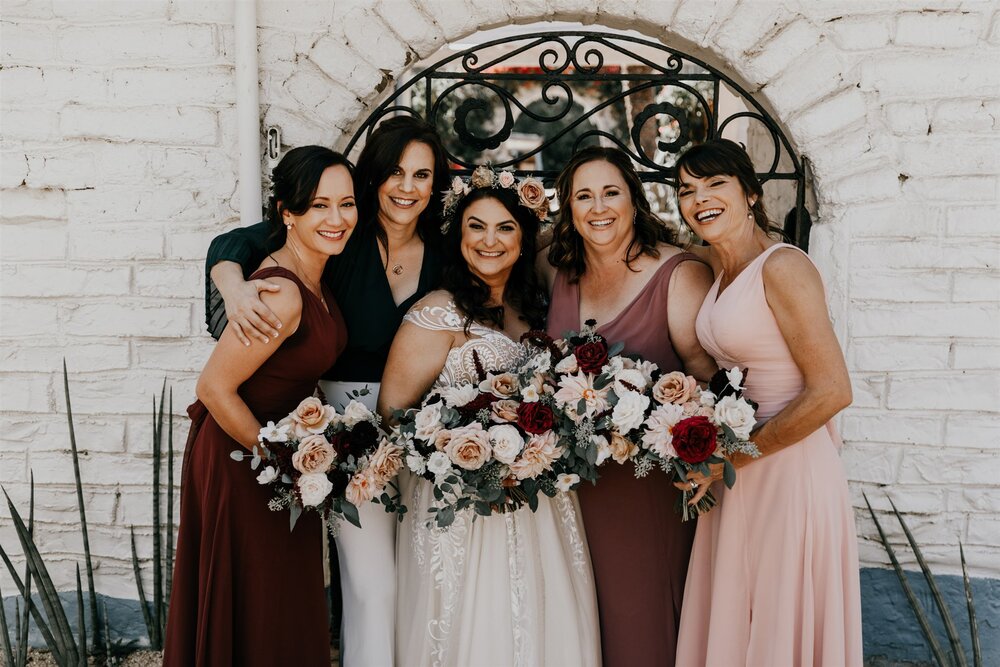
point(739, 329)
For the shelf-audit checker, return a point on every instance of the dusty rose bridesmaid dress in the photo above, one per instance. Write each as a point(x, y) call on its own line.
point(774, 576)
point(638, 545)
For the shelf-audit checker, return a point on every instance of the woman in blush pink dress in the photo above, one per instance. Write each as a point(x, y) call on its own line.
point(773, 578)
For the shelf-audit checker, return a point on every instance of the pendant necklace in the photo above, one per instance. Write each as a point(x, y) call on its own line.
point(397, 269)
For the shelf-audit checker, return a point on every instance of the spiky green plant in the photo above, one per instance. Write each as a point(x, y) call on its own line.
point(96, 640)
point(957, 651)
point(156, 618)
point(8, 650)
point(61, 641)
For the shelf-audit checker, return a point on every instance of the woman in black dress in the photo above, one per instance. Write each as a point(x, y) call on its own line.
point(391, 261)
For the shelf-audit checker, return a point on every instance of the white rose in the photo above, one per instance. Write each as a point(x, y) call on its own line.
point(565, 481)
point(438, 464)
point(314, 488)
point(354, 413)
point(567, 365)
point(629, 376)
point(507, 443)
point(706, 398)
point(267, 475)
point(428, 422)
point(735, 413)
point(629, 412)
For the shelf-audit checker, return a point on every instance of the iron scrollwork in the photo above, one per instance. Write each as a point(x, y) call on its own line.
point(487, 107)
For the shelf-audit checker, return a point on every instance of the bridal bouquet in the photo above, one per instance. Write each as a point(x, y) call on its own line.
point(320, 460)
point(612, 406)
point(490, 446)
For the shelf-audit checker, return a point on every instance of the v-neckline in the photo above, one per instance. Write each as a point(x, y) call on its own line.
point(626, 307)
point(421, 278)
point(718, 281)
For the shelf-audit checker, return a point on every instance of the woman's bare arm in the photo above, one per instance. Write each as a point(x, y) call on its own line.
point(415, 360)
point(689, 284)
point(232, 363)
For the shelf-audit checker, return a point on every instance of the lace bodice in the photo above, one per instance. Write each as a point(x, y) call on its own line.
point(496, 351)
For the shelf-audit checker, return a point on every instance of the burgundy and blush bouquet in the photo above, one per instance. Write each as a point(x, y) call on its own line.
point(690, 428)
point(317, 459)
point(489, 445)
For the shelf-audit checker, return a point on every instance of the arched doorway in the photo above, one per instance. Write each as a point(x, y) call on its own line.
point(529, 100)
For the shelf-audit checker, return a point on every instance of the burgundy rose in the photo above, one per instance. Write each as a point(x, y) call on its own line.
point(591, 357)
point(356, 442)
point(694, 439)
point(535, 417)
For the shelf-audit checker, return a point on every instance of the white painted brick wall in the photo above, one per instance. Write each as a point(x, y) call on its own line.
point(117, 166)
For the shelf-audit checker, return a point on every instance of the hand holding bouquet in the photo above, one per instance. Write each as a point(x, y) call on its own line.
point(320, 460)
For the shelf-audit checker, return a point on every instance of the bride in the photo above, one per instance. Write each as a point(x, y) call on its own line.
point(513, 588)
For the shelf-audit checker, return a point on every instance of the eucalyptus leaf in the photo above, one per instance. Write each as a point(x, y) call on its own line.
point(446, 517)
point(350, 513)
point(728, 474)
point(285, 478)
point(237, 455)
point(483, 508)
point(616, 348)
point(533, 502)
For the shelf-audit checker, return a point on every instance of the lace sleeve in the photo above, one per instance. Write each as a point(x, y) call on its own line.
point(436, 318)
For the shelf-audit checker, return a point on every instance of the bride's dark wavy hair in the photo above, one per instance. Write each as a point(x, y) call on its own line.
point(524, 290)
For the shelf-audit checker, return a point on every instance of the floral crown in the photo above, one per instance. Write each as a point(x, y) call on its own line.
point(530, 191)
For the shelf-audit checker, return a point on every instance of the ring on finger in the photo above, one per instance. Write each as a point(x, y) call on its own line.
point(694, 485)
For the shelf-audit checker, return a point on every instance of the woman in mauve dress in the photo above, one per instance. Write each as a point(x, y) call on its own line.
point(246, 589)
point(615, 263)
point(774, 571)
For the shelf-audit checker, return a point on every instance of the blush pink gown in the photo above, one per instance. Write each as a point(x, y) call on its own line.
point(773, 577)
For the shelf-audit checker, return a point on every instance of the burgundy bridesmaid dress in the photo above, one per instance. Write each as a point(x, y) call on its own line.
point(246, 590)
point(638, 544)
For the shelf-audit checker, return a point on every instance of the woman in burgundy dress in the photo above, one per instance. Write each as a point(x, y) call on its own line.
point(614, 262)
point(247, 591)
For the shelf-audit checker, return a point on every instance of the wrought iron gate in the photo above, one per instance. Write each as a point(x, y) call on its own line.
point(659, 103)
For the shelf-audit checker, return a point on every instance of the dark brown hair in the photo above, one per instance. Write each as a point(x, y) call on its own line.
point(380, 157)
point(567, 251)
point(722, 157)
point(294, 181)
point(524, 290)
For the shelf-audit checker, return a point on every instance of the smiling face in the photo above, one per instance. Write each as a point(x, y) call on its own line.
point(326, 225)
point(491, 240)
point(406, 192)
point(714, 206)
point(602, 207)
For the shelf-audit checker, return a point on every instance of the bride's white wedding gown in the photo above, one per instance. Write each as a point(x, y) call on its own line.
point(509, 589)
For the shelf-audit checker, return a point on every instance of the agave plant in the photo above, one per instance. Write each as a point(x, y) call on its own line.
point(156, 618)
point(957, 650)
